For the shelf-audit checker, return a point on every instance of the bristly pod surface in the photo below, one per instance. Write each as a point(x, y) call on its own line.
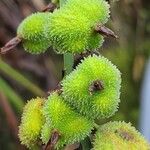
point(71, 126)
point(31, 122)
point(119, 136)
point(93, 88)
point(32, 32)
point(72, 27)
point(97, 11)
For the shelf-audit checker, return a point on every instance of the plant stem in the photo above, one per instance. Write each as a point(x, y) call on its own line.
point(68, 63)
point(68, 57)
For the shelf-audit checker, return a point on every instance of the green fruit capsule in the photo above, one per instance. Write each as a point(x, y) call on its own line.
point(32, 32)
point(68, 33)
point(71, 126)
point(93, 88)
point(73, 30)
point(119, 136)
point(97, 11)
point(31, 122)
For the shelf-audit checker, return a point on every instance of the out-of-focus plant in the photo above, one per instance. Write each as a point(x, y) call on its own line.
point(21, 79)
point(14, 98)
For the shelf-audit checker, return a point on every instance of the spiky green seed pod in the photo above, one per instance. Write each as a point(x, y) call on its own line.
point(31, 122)
point(68, 33)
point(32, 32)
point(72, 30)
point(119, 136)
point(93, 88)
point(97, 11)
point(71, 126)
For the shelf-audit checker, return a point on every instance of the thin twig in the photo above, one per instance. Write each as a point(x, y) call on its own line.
point(10, 45)
point(101, 29)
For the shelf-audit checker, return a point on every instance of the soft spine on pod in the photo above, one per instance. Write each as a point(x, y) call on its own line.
point(71, 126)
point(93, 88)
point(119, 135)
point(32, 32)
point(31, 122)
point(71, 28)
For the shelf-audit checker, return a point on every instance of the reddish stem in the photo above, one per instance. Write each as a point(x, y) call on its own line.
point(10, 45)
point(105, 31)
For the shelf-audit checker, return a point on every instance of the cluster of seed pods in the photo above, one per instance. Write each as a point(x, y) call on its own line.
point(72, 28)
point(88, 93)
point(91, 91)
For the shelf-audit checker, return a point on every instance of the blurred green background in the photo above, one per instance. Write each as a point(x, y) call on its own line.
point(24, 76)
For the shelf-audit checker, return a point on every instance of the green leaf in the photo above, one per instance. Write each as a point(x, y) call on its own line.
point(22, 80)
point(13, 98)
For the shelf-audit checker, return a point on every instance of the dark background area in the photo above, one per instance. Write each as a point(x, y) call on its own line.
point(24, 76)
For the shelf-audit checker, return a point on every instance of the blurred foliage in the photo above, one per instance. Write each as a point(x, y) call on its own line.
point(15, 75)
point(14, 98)
point(23, 76)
